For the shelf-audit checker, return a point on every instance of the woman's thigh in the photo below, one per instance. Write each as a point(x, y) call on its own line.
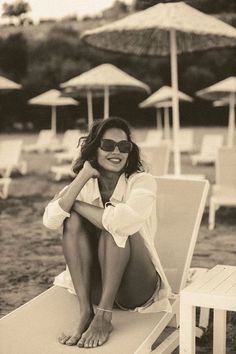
point(140, 277)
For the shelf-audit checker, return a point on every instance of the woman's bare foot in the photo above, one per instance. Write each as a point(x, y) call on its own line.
point(98, 331)
point(73, 339)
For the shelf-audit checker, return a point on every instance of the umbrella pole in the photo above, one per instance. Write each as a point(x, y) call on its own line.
point(54, 120)
point(231, 128)
point(175, 101)
point(106, 102)
point(167, 123)
point(90, 108)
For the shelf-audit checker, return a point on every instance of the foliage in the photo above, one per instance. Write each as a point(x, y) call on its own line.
point(208, 6)
point(17, 9)
point(14, 55)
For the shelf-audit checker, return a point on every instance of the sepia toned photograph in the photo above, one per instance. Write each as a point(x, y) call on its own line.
point(117, 176)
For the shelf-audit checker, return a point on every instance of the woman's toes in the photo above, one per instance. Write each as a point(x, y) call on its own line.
point(90, 343)
point(72, 340)
point(63, 338)
point(81, 342)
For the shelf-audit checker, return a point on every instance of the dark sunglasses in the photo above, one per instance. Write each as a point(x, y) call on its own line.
point(109, 145)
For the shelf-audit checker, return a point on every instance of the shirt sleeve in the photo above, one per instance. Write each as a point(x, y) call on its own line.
point(127, 218)
point(54, 215)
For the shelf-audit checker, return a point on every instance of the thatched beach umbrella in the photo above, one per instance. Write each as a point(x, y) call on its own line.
point(162, 98)
point(225, 91)
point(103, 78)
point(52, 98)
point(8, 85)
point(170, 28)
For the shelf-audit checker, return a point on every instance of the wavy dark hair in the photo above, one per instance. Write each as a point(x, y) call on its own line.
point(90, 144)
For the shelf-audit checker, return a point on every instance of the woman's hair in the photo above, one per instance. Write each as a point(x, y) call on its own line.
point(91, 143)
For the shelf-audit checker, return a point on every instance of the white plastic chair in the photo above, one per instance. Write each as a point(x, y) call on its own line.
point(10, 157)
point(54, 310)
point(224, 191)
point(209, 148)
point(44, 140)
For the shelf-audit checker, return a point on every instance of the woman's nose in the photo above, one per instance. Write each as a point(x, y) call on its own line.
point(116, 149)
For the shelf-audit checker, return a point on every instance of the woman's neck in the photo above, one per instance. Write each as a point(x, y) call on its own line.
point(108, 179)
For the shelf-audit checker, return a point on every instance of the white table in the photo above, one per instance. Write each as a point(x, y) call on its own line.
point(217, 290)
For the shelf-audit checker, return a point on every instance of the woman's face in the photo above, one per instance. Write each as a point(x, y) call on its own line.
point(113, 161)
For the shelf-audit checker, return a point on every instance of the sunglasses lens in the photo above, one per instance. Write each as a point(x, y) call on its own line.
point(107, 145)
point(125, 146)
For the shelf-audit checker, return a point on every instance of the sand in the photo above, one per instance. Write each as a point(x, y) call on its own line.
point(31, 255)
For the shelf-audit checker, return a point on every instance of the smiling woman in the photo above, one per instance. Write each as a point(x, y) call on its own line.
point(108, 213)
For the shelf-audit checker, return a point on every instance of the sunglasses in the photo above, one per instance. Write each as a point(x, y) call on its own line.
point(124, 146)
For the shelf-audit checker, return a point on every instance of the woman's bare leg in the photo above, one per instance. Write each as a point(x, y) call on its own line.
point(113, 261)
point(79, 248)
point(140, 278)
point(128, 275)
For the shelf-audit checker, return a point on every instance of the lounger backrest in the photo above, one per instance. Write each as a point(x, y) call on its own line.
point(71, 139)
point(45, 137)
point(186, 139)
point(154, 136)
point(226, 167)
point(156, 158)
point(180, 206)
point(10, 151)
point(211, 144)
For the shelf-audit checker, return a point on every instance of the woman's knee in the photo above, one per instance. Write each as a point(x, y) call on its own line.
point(73, 225)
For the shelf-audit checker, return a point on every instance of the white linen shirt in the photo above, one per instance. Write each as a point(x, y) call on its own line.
point(132, 208)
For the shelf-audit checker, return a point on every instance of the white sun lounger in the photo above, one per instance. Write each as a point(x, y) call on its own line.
point(224, 191)
point(4, 187)
point(153, 137)
point(209, 148)
point(156, 158)
point(44, 140)
point(62, 171)
point(34, 327)
point(69, 141)
point(10, 157)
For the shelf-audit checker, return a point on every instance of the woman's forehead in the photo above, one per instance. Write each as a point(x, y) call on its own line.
point(115, 134)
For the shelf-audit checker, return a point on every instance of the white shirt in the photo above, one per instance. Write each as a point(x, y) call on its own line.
point(132, 209)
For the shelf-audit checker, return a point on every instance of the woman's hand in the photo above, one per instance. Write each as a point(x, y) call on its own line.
point(90, 171)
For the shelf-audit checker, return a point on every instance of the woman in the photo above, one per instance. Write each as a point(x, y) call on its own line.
point(109, 218)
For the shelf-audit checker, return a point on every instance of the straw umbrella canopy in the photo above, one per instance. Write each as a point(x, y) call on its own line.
point(225, 91)
point(162, 98)
point(52, 98)
point(105, 77)
point(8, 85)
point(163, 29)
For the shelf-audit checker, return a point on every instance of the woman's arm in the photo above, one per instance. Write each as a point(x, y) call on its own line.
point(68, 198)
point(92, 213)
point(59, 208)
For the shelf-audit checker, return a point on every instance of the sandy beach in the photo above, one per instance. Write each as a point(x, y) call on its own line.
point(31, 255)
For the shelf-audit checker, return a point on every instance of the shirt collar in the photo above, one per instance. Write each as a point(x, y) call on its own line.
point(118, 193)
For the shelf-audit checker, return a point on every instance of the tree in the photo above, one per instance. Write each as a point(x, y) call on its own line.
point(17, 9)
